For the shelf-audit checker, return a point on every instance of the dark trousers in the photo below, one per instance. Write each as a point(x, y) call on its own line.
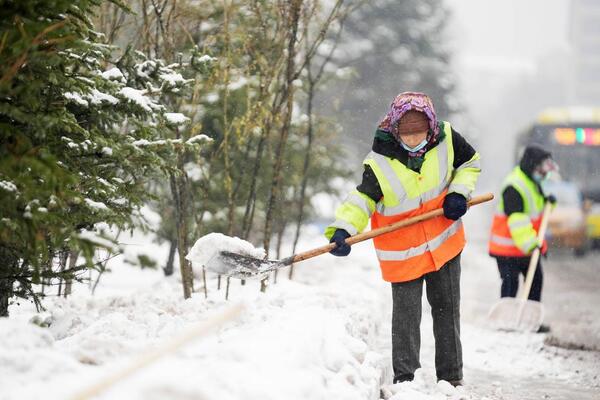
point(443, 294)
point(510, 268)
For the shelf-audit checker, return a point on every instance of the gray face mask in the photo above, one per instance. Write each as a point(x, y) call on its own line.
point(416, 148)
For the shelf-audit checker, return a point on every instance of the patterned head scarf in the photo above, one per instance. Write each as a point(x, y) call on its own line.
point(410, 101)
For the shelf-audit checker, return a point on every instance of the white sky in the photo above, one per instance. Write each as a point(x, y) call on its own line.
point(503, 52)
point(517, 29)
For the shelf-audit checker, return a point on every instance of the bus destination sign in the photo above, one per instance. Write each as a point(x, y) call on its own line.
point(573, 136)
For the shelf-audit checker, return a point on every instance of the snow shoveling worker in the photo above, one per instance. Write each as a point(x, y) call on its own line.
point(417, 164)
point(517, 221)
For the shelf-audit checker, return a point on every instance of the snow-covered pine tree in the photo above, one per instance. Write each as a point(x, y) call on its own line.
point(77, 143)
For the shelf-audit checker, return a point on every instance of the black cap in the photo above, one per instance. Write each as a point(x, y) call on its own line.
point(532, 157)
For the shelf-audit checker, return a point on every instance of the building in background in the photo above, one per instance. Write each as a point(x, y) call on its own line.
point(585, 41)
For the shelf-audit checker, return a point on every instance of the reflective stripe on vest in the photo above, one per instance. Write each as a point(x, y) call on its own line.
point(501, 242)
point(413, 251)
point(401, 255)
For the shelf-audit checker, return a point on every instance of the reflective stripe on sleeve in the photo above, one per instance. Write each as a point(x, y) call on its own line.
point(465, 177)
point(362, 201)
point(521, 223)
point(465, 190)
point(348, 227)
point(528, 245)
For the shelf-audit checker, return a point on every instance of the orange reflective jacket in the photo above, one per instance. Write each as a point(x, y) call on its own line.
point(415, 250)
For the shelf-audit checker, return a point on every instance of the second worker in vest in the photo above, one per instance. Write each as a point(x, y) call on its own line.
point(518, 220)
point(417, 164)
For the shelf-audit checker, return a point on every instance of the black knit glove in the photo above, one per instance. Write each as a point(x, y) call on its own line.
point(339, 237)
point(455, 206)
point(551, 199)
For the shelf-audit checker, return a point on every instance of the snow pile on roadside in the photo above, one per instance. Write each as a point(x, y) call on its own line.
point(324, 335)
point(299, 340)
point(27, 351)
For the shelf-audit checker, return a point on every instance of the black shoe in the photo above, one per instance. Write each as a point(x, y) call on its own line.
point(543, 329)
point(404, 378)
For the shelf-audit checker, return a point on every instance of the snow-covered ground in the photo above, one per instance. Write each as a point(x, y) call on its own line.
point(324, 335)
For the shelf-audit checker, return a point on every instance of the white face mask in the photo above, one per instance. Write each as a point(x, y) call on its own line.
point(416, 148)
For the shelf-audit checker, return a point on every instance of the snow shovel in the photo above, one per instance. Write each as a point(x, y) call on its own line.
point(521, 314)
point(244, 267)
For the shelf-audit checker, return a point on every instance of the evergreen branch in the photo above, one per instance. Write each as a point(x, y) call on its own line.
point(37, 40)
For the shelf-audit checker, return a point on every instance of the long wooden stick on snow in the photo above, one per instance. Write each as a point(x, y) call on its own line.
point(152, 355)
point(533, 262)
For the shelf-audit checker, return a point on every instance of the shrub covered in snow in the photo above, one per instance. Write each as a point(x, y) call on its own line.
point(78, 141)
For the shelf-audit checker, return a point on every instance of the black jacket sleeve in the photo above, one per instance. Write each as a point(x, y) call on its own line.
point(513, 202)
point(370, 185)
point(463, 151)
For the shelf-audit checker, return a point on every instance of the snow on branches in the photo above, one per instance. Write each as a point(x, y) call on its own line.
point(70, 143)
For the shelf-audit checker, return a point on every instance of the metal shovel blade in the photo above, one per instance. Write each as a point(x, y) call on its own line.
point(513, 314)
point(242, 266)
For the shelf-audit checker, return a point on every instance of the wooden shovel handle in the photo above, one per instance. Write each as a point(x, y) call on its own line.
point(535, 256)
point(361, 237)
